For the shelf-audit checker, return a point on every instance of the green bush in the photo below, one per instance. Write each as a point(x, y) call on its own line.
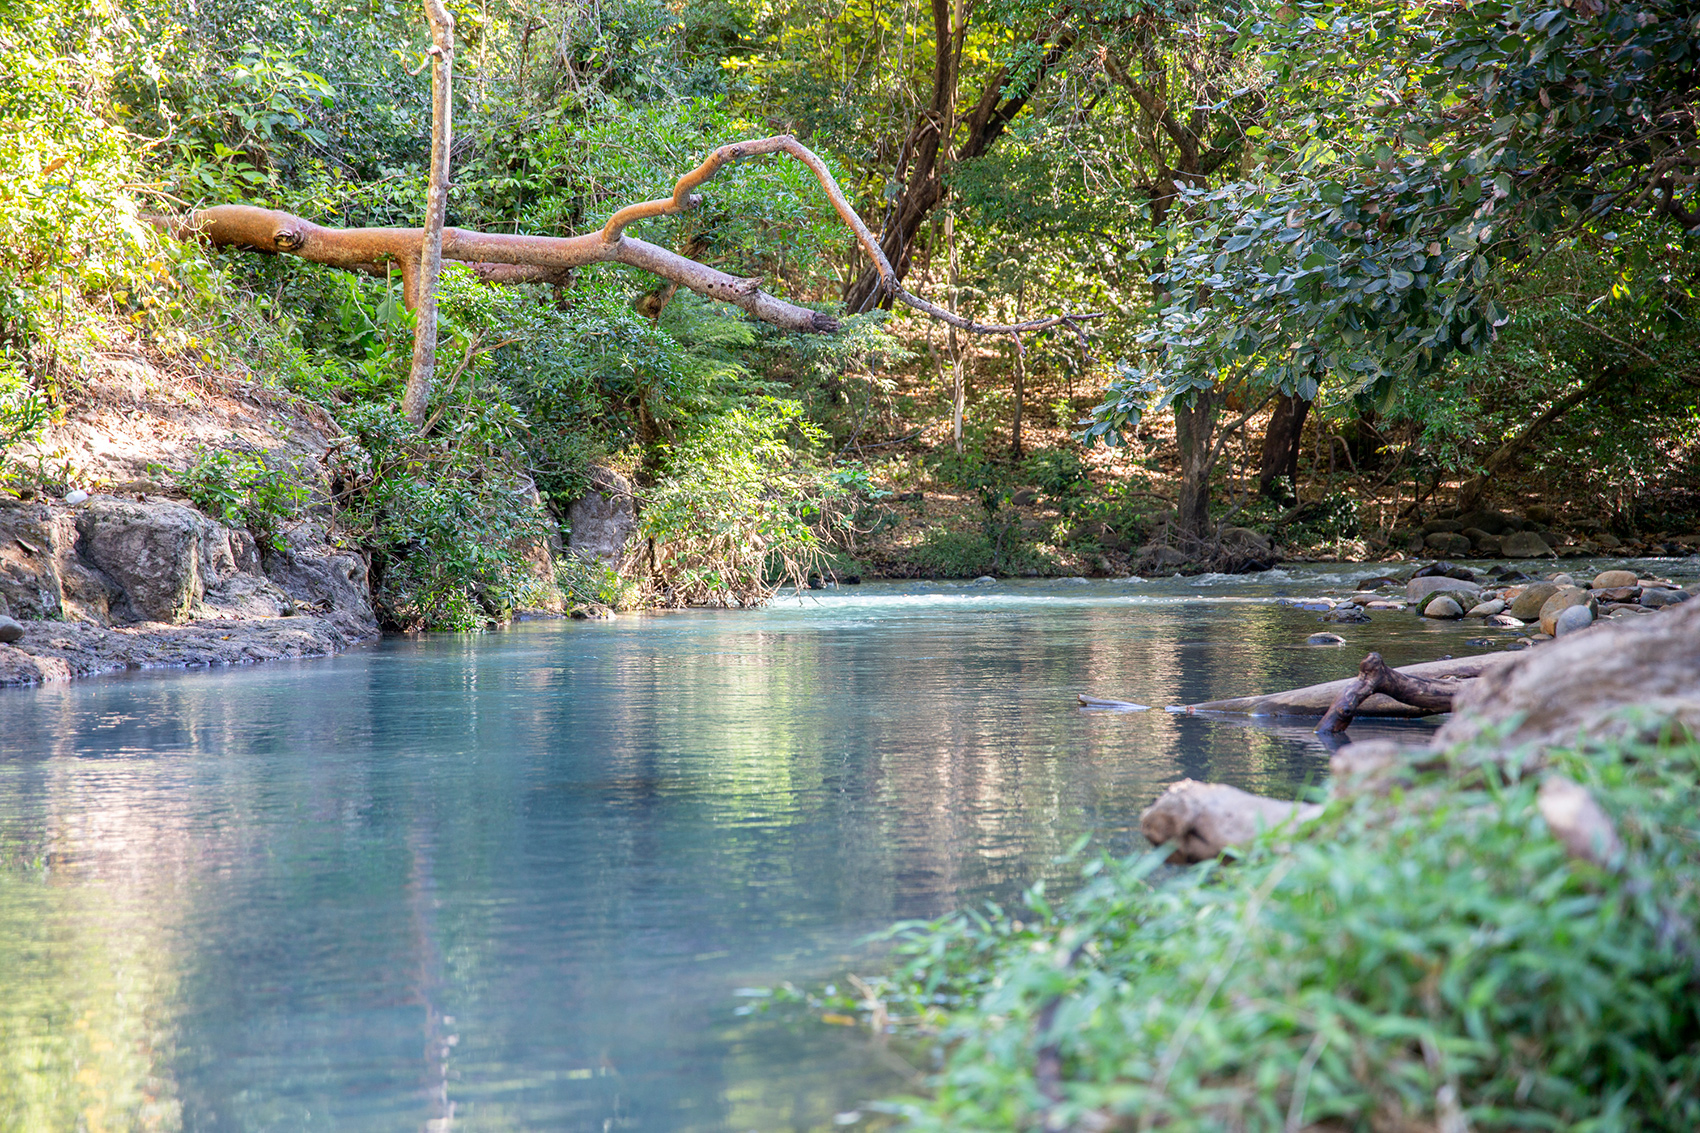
point(1430, 957)
point(244, 489)
point(732, 516)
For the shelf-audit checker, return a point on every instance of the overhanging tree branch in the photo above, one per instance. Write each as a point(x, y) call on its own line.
point(505, 258)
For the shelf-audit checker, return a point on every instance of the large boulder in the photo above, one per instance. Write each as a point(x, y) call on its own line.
point(603, 520)
point(41, 575)
point(153, 551)
point(1447, 543)
point(1525, 545)
point(1611, 678)
point(117, 560)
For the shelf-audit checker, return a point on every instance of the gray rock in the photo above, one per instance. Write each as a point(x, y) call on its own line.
point(1506, 621)
point(1447, 543)
point(1567, 597)
point(1539, 513)
point(984, 580)
point(151, 550)
point(1345, 614)
point(1325, 639)
point(1526, 603)
point(1485, 544)
point(1442, 606)
point(10, 631)
point(1486, 609)
point(604, 519)
point(1584, 683)
point(1571, 619)
point(1376, 581)
point(1525, 545)
point(332, 583)
point(1657, 597)
point(1491, 522)
point(1419, 588)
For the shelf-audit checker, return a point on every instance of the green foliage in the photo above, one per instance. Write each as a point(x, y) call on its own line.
point(1375, 250)
point(734, 508)
point(1431, 957)
point(447, 521)
point(243, 488)
point(1060, 475)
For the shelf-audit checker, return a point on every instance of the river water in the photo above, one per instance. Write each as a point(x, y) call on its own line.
point(515, 881)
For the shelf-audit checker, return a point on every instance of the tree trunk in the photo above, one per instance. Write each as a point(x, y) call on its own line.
point(1020, 376)
point(928, 149)
point(1278, 468)
point(430, 253)
point(1195, 429)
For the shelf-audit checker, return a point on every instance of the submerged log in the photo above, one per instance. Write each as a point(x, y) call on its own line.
point(1114, 705)
point(1200, 820)
point(1316, 700)
point(1427, 693)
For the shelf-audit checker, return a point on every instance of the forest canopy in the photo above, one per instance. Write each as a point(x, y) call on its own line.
point(1417, 228)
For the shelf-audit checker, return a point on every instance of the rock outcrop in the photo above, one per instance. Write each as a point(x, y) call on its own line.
point(118, 582)
point(1607, 679)
point(604, 519)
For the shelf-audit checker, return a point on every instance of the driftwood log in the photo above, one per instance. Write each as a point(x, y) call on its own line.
point(1431, 694)
point(1200, 820)
point(1316, 700)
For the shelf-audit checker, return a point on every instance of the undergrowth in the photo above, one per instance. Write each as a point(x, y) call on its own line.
point(1432, 960)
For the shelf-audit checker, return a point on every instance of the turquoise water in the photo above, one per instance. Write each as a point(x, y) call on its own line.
point(513, 881)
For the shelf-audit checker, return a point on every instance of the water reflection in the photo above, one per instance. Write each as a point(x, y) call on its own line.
point(509, 881)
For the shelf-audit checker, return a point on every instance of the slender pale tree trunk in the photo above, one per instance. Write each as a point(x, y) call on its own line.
point(418, 393)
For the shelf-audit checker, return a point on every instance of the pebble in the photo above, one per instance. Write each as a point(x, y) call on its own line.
point(1612, 579)
point(1325, 639)
point(1487, 609)
point(76, 496)
point(1507, 621)
point(10, 631)
point(1657, 597)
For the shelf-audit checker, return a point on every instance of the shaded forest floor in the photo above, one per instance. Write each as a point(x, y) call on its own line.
point(1366, 489)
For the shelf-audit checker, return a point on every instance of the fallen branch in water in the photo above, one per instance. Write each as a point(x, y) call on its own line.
point(1374, 676)
point(1315, 700)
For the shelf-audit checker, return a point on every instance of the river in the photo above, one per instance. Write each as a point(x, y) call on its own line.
point(515, 880)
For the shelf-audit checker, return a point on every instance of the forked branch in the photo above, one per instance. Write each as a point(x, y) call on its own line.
point(504, 258)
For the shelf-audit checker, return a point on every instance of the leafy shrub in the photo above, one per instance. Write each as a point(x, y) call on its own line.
point(242, 488)
point(447, 521)
point(1060, 475)
point(732, 515)
point(1435, 956)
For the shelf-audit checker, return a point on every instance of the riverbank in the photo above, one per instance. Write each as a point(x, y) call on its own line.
point(1492, 929)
